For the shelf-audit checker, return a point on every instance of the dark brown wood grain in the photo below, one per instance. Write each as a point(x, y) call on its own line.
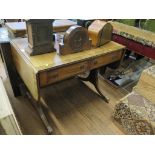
point(75, 39)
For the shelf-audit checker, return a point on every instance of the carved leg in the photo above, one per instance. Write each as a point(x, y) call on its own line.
point(93, 78)
point(38, 106)
point(43, 117)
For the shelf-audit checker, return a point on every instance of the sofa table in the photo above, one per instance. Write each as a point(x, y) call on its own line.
point(38, 72)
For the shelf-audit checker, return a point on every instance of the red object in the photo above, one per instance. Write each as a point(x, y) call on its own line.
point(135, 46)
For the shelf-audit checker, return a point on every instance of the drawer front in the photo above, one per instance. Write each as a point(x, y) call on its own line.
point(52, 76)
point(106, 59)
point(72, 70)
point(49, 77)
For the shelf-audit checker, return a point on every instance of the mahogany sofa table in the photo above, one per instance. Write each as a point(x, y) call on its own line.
point(38, 72)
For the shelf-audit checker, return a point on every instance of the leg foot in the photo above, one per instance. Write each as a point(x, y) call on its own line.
point(37, 105)
point(44, 119)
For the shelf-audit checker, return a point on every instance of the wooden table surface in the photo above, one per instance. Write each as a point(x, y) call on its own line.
point(53, 60)
point(142, 36)
point(58, 26)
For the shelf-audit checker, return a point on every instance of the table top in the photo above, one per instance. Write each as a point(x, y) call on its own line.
point(53, 60)
point(4, 37)
point(16, 26)
point(142, 36)
point(58, 25)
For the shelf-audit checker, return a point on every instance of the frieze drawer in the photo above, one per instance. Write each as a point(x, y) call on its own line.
point(51, 76)
point(106, 59)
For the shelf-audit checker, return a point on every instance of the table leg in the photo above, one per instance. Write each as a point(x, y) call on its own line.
point(43, 117)
point(93, 78)
point(38, 107)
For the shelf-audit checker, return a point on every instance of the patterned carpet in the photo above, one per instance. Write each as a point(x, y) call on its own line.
point(136, 112)
point(136, 115)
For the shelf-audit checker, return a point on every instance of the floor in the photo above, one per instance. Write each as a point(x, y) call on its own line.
point(73, 108)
